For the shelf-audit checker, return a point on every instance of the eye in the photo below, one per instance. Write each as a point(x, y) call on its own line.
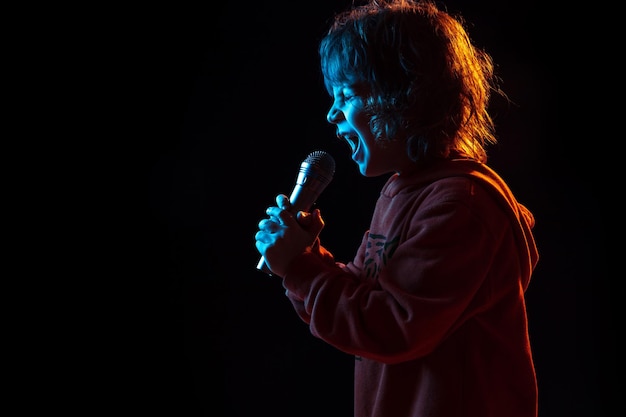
point(348, 94)
point(353, 96)
point(354, 100)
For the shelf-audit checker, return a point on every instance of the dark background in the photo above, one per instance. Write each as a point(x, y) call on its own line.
point(232, 102)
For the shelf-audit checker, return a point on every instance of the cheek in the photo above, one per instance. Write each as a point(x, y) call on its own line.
point(363, 126)
point(360, 121)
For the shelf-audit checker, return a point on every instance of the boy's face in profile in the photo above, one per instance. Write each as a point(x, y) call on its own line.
point(348, 113)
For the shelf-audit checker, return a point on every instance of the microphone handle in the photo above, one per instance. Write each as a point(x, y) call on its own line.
point(262, 266)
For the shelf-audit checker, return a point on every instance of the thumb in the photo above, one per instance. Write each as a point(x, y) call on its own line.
point(312, 222)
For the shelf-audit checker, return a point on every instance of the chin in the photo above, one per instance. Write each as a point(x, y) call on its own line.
point(363, 170)
point(369, 174)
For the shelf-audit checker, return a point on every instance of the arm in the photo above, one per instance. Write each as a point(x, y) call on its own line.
point(396, 302)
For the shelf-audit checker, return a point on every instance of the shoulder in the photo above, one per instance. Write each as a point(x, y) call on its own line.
point(460, 195)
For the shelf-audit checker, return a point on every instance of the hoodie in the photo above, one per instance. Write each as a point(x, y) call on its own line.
point(432, 306)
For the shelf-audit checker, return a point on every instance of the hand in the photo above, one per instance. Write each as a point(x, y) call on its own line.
point(285, 235)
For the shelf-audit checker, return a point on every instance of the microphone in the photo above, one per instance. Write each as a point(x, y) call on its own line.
point(316, 172)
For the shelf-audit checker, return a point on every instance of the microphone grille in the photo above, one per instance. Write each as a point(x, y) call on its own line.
point(323, 160)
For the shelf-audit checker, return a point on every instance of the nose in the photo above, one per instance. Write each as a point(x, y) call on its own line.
point(334, 114)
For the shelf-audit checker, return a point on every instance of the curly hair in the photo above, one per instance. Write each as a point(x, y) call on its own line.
point(429, 85)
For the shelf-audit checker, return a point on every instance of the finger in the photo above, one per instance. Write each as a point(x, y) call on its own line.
point(286, 218)
point(270, 226)
point(283, 202)
point(279, 215)
point(265, 224)
point(262, 239)
point(261, 246)
point(304, 218)
point(316, 222)
point(273, 212)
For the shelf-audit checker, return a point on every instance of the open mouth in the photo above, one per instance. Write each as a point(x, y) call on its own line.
point(351, 140)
